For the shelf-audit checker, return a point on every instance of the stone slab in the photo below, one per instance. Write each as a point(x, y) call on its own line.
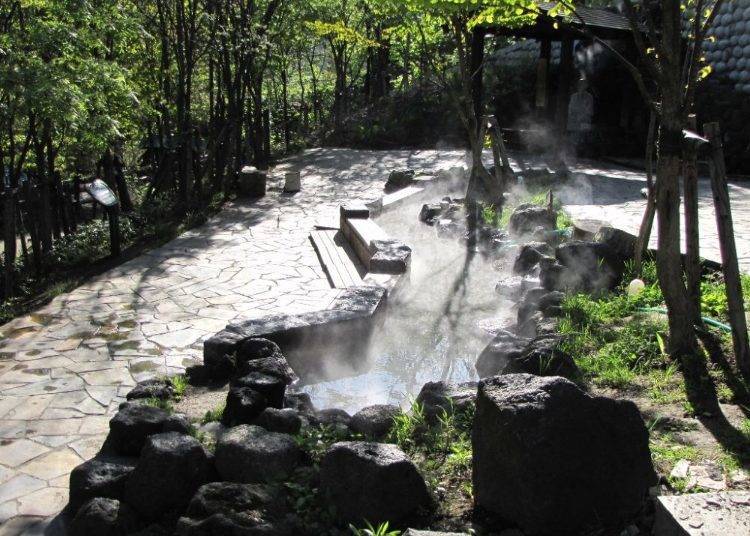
point(703, 514)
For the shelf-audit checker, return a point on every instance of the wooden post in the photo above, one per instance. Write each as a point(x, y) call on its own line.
point(266, 139)
point(563, 89)
point(692, 234)
point(542, 74)
point(725, 227)
point(476, 63)
point(113, 213)
point(9, 225)
point(647, 222)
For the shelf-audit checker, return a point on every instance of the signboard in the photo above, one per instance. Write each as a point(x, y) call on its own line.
point(101, 193)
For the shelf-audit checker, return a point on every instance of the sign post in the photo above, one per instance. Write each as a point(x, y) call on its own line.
point(102, 194)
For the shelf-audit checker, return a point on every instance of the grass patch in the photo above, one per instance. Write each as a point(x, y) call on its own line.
point(383, 529)
point(442, 452)
point(612, 342)
point(179, 384)
point(166, 405)
point(490, 214)
point(213, 415)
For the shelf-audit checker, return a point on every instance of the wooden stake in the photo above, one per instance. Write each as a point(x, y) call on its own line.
point(725, 227)
point(644, 234)
point(692, 235)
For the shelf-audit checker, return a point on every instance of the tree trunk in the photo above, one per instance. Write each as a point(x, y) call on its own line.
point(735, 300)
point(692, 233)
point(647, 222)
point(9, 226)
point(682, 341)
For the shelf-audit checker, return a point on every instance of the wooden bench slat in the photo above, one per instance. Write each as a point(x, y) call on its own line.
point(336, 258)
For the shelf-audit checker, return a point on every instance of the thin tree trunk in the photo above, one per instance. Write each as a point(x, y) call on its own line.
point(692, 233)
point(735, 300)
point(647, 222)
point(682, 340)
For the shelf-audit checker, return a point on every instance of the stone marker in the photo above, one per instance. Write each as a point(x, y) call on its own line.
point(552, 459)
point(292, 182)
point(252, 182)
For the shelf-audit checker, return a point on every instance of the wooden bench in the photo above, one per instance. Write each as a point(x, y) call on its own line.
point(337, 258)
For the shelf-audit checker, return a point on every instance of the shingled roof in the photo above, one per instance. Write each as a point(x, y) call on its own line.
point(593, 17)
point(729, 51)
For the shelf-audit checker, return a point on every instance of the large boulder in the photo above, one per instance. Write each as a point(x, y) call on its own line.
point(220, 354)
point(374, 421)
point(228, 350)
point(229, 508)
point(284, 421)
point(376, 482)
point(529, 256)
point(589, 266)
point(243, 406)
point(620, 242)
point(103, 516)
point(498, 353)
point(171, 468)
point(272, 387)
point(398, 179)
point(98, 478)
point(438, 397)
point(252, 454)
point(514, 287)
point(134, 422)
point(334, 419)
point(554, 460)
point(543, 356)
point(155, 388)
point(430, 212)
point(299, 401)
point(539, 299)
point(273, 366)
point(526, 218)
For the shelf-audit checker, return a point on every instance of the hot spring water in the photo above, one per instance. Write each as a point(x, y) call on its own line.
point(435, 325)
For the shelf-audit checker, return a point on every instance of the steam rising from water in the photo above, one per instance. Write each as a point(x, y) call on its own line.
point(433, 325)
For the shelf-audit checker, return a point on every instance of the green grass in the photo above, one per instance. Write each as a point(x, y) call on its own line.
point(538, 197)
point(213, 414)
point(179, 384)
point(166, 405)
point(381, 530)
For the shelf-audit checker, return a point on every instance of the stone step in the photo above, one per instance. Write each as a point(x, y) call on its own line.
point(703, 514)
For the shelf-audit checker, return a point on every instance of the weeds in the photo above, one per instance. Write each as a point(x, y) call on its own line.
point(166, 405)
point(213, 414)
point(408, 427)
point(179, 385)
point(316, 440)
point(381, 530)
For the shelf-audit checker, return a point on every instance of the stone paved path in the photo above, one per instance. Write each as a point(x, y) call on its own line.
point(65, 368)
point(613, 194)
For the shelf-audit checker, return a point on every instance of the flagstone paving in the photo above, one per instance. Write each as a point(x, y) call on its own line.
point(65, 368)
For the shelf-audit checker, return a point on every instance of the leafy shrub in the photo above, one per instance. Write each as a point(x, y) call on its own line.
point(90, 243)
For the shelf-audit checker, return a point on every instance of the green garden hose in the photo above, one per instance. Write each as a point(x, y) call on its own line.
point(709, 321)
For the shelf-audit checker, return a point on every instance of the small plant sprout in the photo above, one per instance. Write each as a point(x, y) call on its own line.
point(179, 385)
point(381, 530)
